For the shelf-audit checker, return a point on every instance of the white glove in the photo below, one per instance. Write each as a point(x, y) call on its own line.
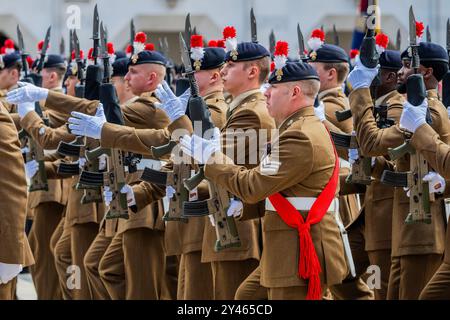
point(174, 106)
point(320, 112)
point(26, 93)
point(31, 168)
point(170, 192)
point(25, 108)
point(81, 124)
point(435, 181)
point(82, 162)
point(211, 220)
point(201, 149)
point(413, 117)
point(102, 162)
point(235, 209)
point(353, 155)
point(128, 190)
point(361, 76)
point(9, 272)
point(25, 150)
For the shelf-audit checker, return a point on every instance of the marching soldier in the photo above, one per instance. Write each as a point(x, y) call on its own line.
point(313, 175)
point(331, 64)
point(416, 246)
point(10, 71)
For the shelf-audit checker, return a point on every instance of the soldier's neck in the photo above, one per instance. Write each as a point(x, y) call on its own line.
point(211, 90)
point(244, 89)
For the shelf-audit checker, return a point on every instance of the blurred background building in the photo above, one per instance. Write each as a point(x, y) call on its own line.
point(165, 18)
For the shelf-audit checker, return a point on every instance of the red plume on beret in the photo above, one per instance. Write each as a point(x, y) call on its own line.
point(73, 55)
point(318, 33)
point(90, 54)
point(354, 53)
point(140, 37)
point(212, 43)
point(419, 28)
point(150, 47)
point(110, 46)
point(30, 61)
point(3, 50)
point(229, 32)
point(281, 48)
point(129, 48)
point(9, 44)
point(382, 40)
point(221, 44)
point(40, 45)
point(272, 67)
point(196, 41)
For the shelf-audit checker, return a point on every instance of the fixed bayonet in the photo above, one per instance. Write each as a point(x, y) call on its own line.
point(132, 35)
point(23, 54)
point(104, 54)
point(398, 40)
point(301, 44)
point(62, 47)
point(428, 34)
point(272, 42)
point(95, 34)
point(335, 35)
point(253, 26)
point(44, 50)
point(188, 30)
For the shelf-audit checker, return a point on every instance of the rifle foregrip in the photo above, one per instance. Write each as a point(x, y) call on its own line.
point(400, 151)
point(194, 181)
point(95, 153)
point(159, 152)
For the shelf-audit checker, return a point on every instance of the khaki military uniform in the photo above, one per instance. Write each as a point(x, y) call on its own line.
point(137, 250)
point(15, 248)
point(305, 176)
point(414, 246)
point(426, 141)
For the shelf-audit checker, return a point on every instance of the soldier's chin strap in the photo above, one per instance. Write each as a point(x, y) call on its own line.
point(309, 265)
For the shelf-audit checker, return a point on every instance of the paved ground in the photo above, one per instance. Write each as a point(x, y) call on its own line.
point(25, 287)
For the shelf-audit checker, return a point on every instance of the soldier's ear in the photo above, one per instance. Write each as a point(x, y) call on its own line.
point(296, 91)
point(428, 73)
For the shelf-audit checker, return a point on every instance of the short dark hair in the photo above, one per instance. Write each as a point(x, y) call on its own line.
point(342, 69)
point(439, 68)
point(60, 71)
point(263, 65)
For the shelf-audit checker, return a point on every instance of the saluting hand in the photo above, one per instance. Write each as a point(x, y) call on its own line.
point(81, 124)
point(361, 76)
point(26, 93)
point(174, 106)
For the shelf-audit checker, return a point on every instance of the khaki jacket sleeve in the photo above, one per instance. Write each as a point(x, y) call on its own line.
point(145, 193)
point(437, 153)
point(64, 104)
point(51, 137)
point(141, 140)
point(372, 140)
point(251, 186)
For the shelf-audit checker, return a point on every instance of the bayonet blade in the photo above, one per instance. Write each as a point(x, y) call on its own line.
point(103, 46)
point(20, 38)
point(412, 27)
point(448, 35)
point(185, 57)
point(336, 36)
point(428, 34)
point(301, 43)
point(46, 42)
point(188, 31)
point(194, 31)
point(272, 42)
point(62, 47)
point(398, 40)
point(76, 45)
point(96, 24)
point(253, 26)
point(132, 35)
point(71, 47)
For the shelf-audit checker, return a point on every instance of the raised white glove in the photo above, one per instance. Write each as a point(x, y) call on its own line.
point(413, 116)
point(320, 112)
point(201, 149)
point(435, 181)
point(170, 192)
point(81, 124)
point(211, 220)
point(9, 272)
point(361, 76)
point(31, 168)
point(82, 162)
point(26, 93)
point(24, 108)
point(235, 209)
point(353, 155)
point(128, 190)
point(174, 106)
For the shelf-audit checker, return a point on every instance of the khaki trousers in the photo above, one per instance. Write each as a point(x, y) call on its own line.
point(382, 259)
point(63, 260)
point(195, 278)
point(251, 288)
point(439, 286)
point(8, 291)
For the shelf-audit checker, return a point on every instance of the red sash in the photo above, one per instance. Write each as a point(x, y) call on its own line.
point(309, 265)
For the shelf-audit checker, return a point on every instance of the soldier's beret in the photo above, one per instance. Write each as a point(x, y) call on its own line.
point(54, 61)
point(428, 51)
point(8, 60)
point(328, 53)
point(294, 71)
point(247, 51)
point(147, 57)
point(120, 54)
point(390, 59)
point(120, 67)
point(213, 58)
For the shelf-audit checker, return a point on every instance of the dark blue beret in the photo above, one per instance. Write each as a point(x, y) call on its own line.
point(54, 61)
point(120, 67)
point(8, 60)
point(293, 71)
point(120, 54)
point(428, 52)
point(212, 59)
point(247, 51)
point(390, 59)
point(328, 53)
point(147, 57)
point(72, 69)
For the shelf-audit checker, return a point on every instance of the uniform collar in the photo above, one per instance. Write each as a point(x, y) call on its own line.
point(130, 101)
point(334, 91)
point(240, 98)
point(214, 95)
point(303, 112)
point(383, 99)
